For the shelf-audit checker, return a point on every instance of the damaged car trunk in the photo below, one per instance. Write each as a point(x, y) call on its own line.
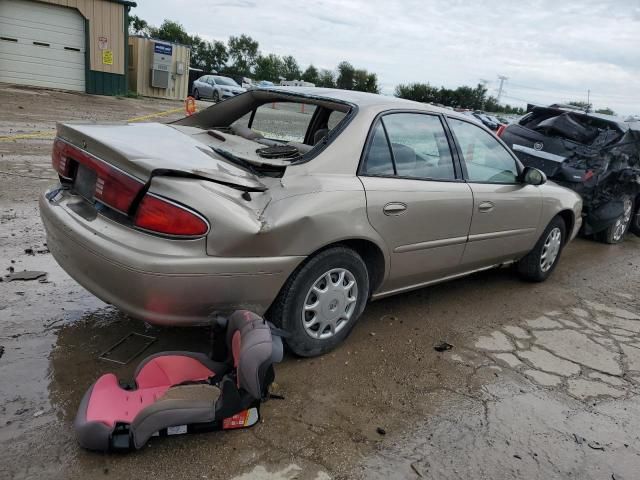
point(598, 156)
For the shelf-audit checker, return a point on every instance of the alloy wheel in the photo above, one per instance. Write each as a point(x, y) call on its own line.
point(550, 249)
point(330, 303)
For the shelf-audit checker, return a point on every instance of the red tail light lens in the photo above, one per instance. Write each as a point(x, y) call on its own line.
point(114, 188)
point(501, 130)
point(163, 216)
point(59, 161)
point(588, 175)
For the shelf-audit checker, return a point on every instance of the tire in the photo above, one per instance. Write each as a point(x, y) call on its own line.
point(615, 233)
point(534, 267)
point(329, 330)
point(215, 96)
point(196, 94)
point(635, 221)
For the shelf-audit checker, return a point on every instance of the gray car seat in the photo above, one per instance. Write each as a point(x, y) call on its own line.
point(184, 392)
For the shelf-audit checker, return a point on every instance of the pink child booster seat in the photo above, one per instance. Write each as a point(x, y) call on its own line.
point(184, 392)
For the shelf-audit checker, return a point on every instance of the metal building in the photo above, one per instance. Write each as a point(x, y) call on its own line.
point(68, 44)
point(158, 68)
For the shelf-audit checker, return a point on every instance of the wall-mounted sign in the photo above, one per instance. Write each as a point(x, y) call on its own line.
point(163, 49)
point(103, 43)
point(107, 57)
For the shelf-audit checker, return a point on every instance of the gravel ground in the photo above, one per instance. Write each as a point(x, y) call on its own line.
point(542, 380)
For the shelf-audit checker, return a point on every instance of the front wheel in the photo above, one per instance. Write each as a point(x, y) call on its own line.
point(635, 221)
point(321, 302)
point(538, 264)
point(615, 233)
point(196, 94)
point(215, 96)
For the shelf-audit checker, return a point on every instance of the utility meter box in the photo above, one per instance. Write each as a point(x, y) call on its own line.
point(161, 65)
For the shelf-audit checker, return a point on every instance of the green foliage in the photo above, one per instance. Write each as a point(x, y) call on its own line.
point(171, 31)
point(463, 97)
point(326, 78)
point(350, 78)
point(138, 26)
point(243, 52)
point(268, 67)
point(209, 56)
point(311, 75)
point(290, 68)
point(580, 104)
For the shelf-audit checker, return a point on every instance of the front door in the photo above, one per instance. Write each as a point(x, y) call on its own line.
point(506, 211)
point(416, 200)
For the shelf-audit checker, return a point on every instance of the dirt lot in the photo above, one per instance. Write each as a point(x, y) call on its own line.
point(542, 382)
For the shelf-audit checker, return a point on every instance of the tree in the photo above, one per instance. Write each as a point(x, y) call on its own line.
point(209, 56)
point(418, 92)
point(138, 26)
point(605, 111)
point(326, 79)
point(268, 67)
point(243, 52)
point(171, 31)
point(346, 74)
point(290, 68)
point(311, 75)
point(364, 81)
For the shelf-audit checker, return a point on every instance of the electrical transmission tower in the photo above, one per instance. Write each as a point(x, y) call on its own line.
point(502, 79)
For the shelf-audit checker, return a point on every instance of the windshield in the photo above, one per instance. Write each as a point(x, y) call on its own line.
point(226, 81)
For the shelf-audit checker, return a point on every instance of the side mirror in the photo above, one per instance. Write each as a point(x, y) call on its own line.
point(533, 176)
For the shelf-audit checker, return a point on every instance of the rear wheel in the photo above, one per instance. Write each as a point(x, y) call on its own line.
point(196, 94)
point(322, 300)
point(615, 233)
point(635, 221)
point(538, 264)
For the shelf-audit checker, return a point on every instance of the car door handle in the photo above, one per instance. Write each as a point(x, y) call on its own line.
point(394, 208)
point(485, 207)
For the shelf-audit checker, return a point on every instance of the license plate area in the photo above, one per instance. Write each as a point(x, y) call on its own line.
point(84, 183)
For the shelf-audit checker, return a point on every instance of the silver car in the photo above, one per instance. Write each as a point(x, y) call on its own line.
point(302, 203)
point(215, 87)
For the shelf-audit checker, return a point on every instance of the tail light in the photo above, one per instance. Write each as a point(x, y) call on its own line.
point(501, 130)
point(59, 161)
point(160, 215)
point(114, 187)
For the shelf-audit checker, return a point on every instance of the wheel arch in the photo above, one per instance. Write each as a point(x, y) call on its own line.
point(569, 221)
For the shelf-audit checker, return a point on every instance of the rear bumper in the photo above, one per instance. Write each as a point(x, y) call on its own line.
point(178, 288)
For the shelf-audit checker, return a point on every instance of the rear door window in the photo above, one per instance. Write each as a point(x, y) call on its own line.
point(378, 160)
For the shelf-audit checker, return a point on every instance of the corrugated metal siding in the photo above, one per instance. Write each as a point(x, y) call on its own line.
point(105, 19)
point(140, 70)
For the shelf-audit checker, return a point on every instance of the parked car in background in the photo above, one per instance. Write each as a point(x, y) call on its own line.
point(264, 84)
point(596, 155)
point(303, 213)
point(216, 87)
point(486, 120)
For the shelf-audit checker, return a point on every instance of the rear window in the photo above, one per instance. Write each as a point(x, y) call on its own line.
point(284, 121)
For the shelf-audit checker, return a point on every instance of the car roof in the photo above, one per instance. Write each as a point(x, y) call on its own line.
point(362, 99)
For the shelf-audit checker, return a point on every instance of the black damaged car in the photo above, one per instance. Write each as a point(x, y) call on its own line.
point(598, 156)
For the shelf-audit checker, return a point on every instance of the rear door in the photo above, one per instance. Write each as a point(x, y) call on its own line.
point(416, 198)
point(506, 212)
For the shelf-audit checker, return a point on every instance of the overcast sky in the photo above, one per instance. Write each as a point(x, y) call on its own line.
point(551, 50)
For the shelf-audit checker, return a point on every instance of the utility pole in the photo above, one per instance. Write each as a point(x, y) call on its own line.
point(502, 79)
point(588, 100)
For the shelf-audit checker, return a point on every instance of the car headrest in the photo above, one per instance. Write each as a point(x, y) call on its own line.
point(253, 349)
